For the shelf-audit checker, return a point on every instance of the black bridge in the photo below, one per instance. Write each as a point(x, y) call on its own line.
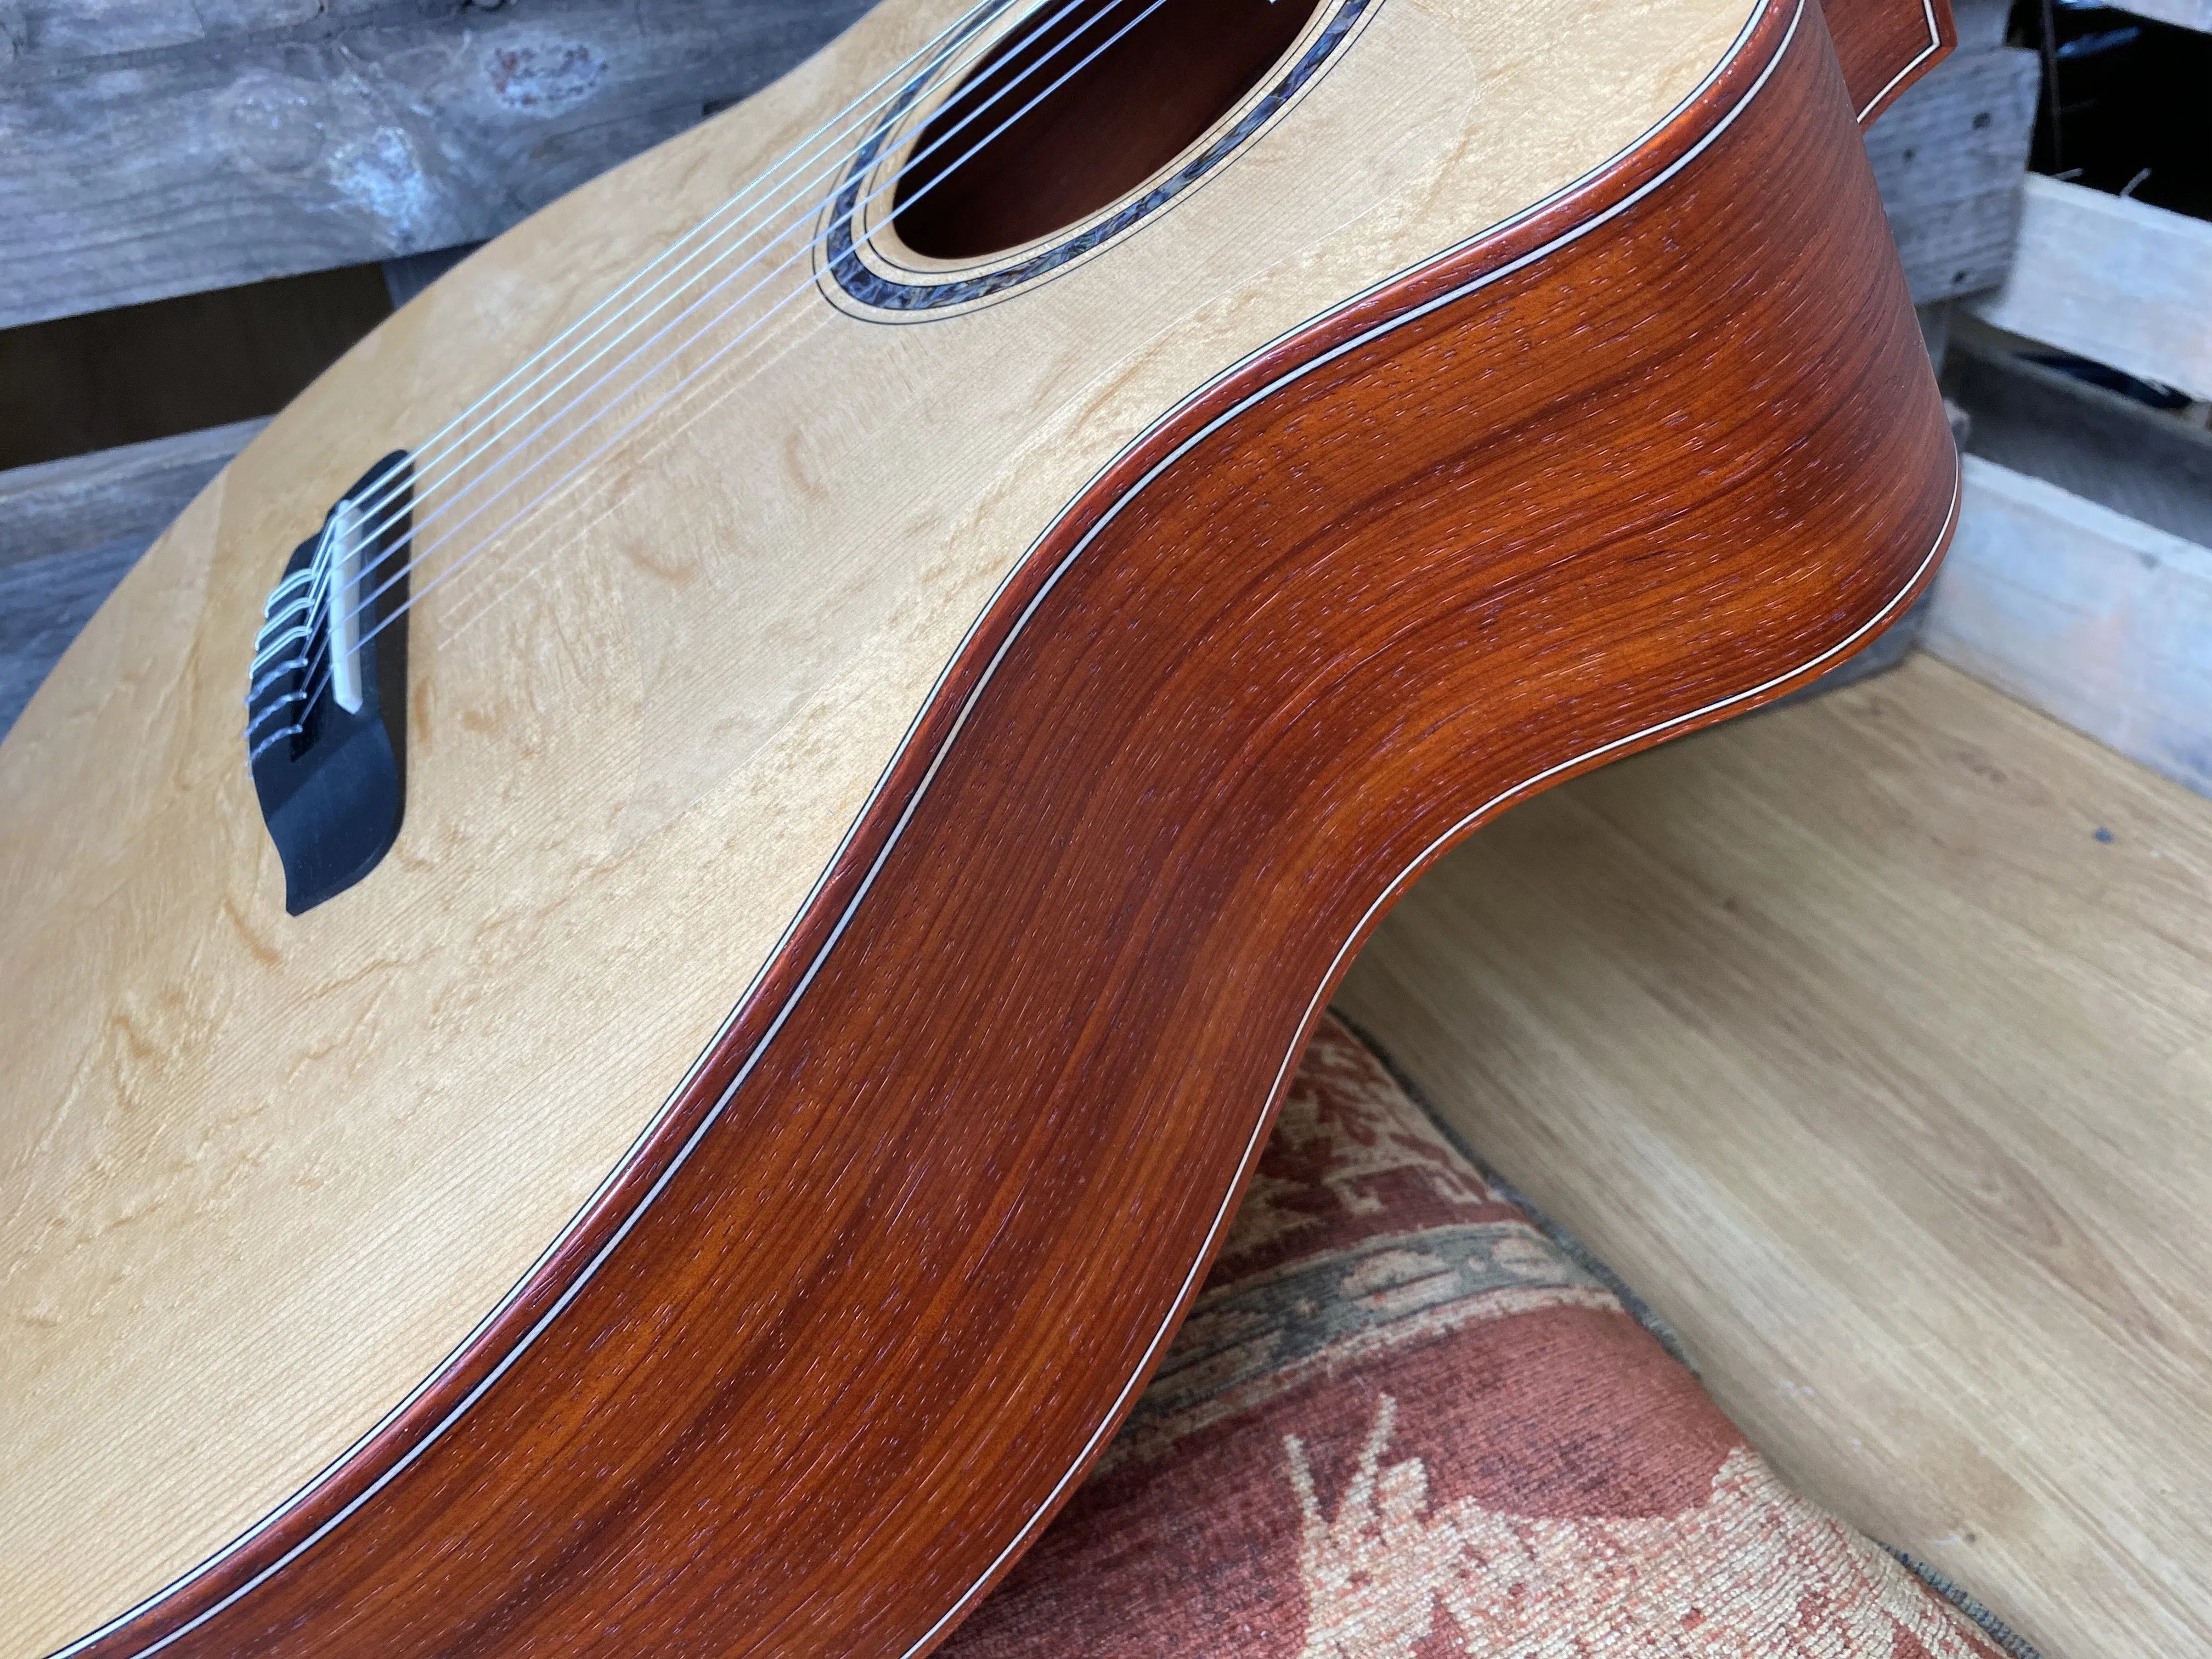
point(326, 695)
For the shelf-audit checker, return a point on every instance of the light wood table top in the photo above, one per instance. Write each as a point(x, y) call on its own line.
point(1871, 1039)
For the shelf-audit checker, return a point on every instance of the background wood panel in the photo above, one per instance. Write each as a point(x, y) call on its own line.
point(2115, 280)
point(1871, 1039)
point(44, 603)
point(2089, 615)
point(265, 140)
point(70, 530)
point(1949, 155)
point(127, 494)
point(46, 33)
point(2188, 14)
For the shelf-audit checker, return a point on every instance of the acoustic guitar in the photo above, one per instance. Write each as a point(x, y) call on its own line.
point(645, 954)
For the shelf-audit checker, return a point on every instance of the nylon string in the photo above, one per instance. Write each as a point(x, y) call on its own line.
point(639, 312)
point(322, 565)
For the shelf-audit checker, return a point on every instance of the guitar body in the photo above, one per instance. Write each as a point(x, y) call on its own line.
point(877, 836)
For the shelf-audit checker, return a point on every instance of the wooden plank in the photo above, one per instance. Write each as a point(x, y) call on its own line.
point(70, 530)
point(1981, 24)
point(118, 494)
point(1950, 156)
point(40, 34)
point(206, 163)
point(2095, 618)
point(1867, 1040)
point(2184, 14)
point(2112, 279)
point(43, 605)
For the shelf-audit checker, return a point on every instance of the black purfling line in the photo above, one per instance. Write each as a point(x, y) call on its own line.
point(869, 287)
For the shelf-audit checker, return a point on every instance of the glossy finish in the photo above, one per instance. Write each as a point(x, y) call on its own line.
point(1884, 46)
point(861, 1312)
point(264, 1178)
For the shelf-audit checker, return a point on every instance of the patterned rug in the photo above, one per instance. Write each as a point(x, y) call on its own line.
point(1403, 1422)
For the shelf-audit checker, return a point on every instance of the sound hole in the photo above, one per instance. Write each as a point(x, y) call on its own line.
point(1110, 126)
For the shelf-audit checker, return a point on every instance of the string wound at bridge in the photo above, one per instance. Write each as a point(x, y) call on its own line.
point(326, 692)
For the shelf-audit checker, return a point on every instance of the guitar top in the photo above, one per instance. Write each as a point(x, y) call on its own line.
point(647, 952)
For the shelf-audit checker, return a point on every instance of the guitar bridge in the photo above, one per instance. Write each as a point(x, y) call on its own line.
point(325, 697)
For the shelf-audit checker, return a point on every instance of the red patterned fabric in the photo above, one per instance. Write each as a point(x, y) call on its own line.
point(1401, 1424)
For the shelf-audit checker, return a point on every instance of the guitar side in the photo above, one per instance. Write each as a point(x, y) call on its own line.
point(845, 1329)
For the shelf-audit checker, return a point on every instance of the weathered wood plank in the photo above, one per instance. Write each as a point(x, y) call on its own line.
point(40, 35)
point(1868, 1041)
point(1980, 23)
point(116, 495)
point(1950, 156)
point(159, 149)
point(70, 530)
point(2115, 280)
point(43, 603)
point(2185, 14)
point(212, 161)
point(2099, 621)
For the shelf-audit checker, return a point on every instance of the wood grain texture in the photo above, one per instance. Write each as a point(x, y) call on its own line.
point(1950, 156)
point(1536, 519)
point(1868, 1041)
point(152, 151)
point(70, 530)
point(2117, 281)
point(2095, 618)
point(2185, 14)
point(1883, 45)
point(45, 35)
point(130, 493)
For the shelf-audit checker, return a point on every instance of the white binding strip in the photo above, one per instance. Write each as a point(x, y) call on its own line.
point(644, 1137)
point(1934, 44)
point(1383, 902)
